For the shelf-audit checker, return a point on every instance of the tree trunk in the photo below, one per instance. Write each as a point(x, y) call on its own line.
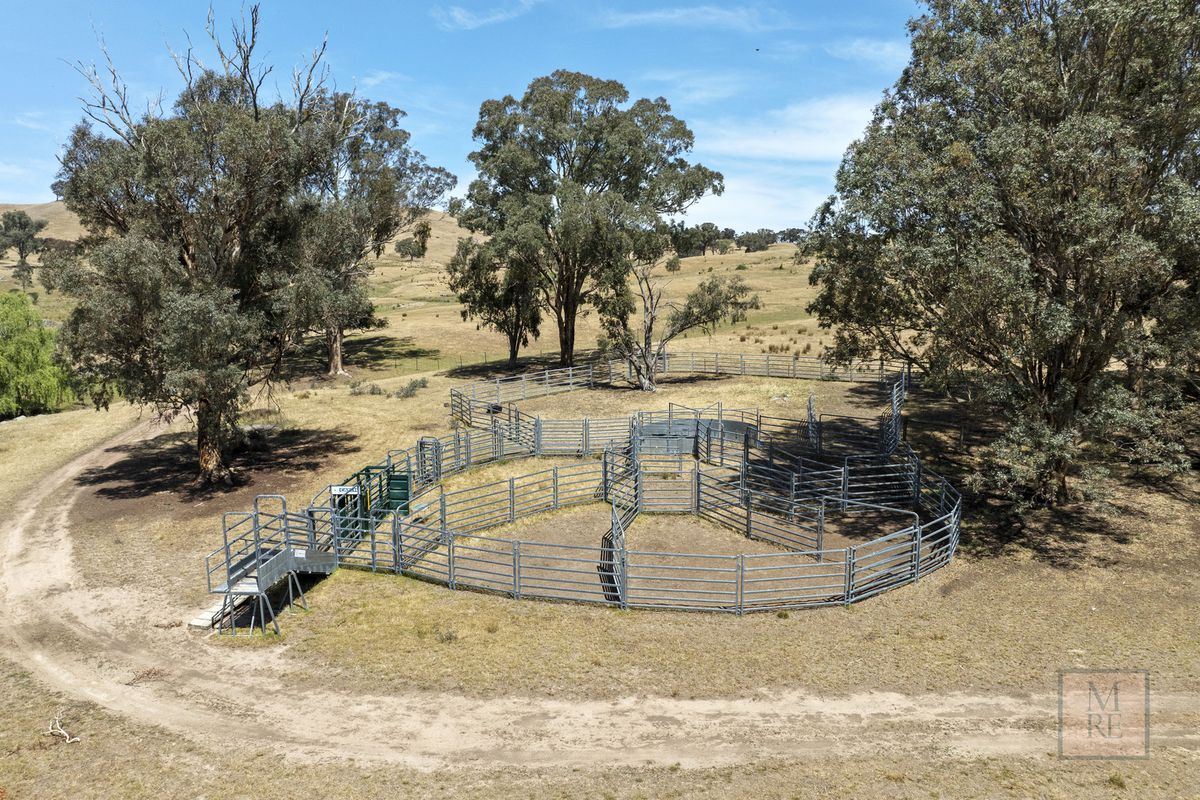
point(514, 348)
point(334, 339)
point(646, 381)
point(566, 337)
point(213, 468)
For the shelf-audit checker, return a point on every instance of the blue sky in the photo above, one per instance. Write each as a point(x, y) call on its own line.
point(774, 92)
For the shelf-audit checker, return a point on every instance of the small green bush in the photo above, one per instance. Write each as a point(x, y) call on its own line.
point(410, 389)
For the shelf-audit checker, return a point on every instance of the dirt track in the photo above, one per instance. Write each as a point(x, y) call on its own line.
point(87, 642)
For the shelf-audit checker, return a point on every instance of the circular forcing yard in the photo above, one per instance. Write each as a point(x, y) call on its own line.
point(713, 508)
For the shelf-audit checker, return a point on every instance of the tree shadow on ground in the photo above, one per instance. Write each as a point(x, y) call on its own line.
point(500, 368)
point(950, 437)
point(374, 351)
point(166, 464)
point(1069, 538)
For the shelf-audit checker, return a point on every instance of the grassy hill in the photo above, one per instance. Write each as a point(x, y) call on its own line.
point(425, 328)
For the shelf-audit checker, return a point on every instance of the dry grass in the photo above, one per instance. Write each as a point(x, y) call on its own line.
point(425, 329)
point(976, 626)
point(119, 759)
point(970, 626)
point(33, 447)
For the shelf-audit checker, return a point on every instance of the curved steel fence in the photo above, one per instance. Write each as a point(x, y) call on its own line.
point(777, 480)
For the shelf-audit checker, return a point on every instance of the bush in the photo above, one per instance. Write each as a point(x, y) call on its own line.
point(410, 389)
point(361, 388)
point(30, 381)
point(674, 264)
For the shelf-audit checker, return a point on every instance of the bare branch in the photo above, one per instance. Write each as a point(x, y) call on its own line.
point(109, 101)
point(56, 729)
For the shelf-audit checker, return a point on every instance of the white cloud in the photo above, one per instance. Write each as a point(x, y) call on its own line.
point(764, 196)
point(378, 77)
point(813, 130)
point(779, 166)
point(744, 19)
point(457, 18)
point(886, 55)
point(27, 182)
point(33, 120)
point(697, 86)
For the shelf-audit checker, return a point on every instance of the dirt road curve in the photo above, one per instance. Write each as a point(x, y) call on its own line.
point(86, 642)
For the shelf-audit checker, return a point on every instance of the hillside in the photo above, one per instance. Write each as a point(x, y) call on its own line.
point(424, 320)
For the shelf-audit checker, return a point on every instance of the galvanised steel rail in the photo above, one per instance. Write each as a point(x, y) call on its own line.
point(773, 479)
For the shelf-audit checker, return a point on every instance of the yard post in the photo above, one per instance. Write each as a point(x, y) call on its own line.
point(821, 531)
point(741, 581)
point(845, 482)
point(916, 559)
point(397, 545)
point(623, 574)
point(374, 558)
point(516, 560)
point(791, 517)
point(604, 475)
point(512, 500)
point(442, 511)
point(555, 498)
point(916, 483)
point(849, 575)
point(587, 444)
point(450, 577)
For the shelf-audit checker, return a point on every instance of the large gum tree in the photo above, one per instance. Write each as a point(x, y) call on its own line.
point(1020, 216)
point(565, 171)
point(201, 221)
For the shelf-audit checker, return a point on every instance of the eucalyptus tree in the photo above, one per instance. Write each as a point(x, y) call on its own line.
point(19, 232)
point(499, 288)
point(369, 185)
point(568, 167)
point(197, 219)
point(639, 323)
point(1020, 216)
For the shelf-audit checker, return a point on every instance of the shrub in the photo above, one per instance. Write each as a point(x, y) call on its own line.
point(30, 381)
point(362, 387)
point(410, 389)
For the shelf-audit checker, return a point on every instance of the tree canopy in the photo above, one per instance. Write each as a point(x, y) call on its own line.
point(638, 324)
point(205, 222)
point(30, 381)
point(500, 289)
point(565, 171)
point(18, 231)
point(1021, 216)
point(369, 185)
point(756, 241)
